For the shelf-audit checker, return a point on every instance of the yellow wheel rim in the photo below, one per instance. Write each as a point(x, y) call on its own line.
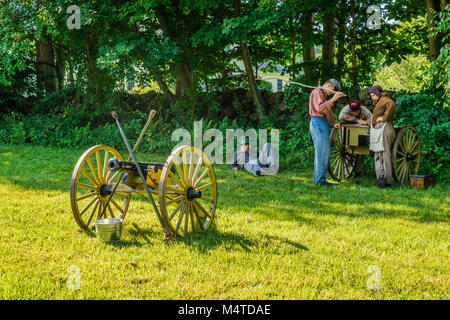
point(187, 192)
point(90, 178)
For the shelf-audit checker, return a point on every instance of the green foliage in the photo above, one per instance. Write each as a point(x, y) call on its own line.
point(424, 112)
point(440, 69)
point(408, 75)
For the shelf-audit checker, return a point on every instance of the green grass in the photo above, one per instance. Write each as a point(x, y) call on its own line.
point(277, 237)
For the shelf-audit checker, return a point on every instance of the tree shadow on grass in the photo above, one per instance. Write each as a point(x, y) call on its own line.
point(292, 190)
point(204, 242)
point(213, 238)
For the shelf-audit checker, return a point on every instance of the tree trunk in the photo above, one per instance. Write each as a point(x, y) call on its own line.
point(308, 49)
point(45, 65)
point(164, 87)
point(91, 58)
point(294, 56)
point(184, 78)
point(59, 66)
point(256, 94)
point(328, 46)
point(352, 44)
point(341, 45)
point(433, 6)
point(69, 64)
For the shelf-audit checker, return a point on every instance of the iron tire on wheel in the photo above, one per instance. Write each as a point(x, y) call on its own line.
point(90, 184)
point(406, 153)
point(187, 192)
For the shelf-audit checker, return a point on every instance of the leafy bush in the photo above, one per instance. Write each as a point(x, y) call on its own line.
point(83, 126)
point(424, 112)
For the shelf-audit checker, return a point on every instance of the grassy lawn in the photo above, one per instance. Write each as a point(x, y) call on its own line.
point(277, 237)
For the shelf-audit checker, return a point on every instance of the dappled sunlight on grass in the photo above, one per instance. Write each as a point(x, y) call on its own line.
point(276, 237)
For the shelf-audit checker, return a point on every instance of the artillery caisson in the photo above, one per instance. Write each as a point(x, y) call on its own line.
point(183, 190)
point(353, 139)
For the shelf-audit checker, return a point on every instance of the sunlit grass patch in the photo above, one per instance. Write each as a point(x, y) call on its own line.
point(277, 237)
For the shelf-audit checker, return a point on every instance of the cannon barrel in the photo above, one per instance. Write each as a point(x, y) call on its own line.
point(115, 165)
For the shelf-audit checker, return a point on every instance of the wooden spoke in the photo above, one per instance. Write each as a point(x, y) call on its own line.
point(205, 186)
point(116, 205)
point(180, 218)
point(191, 165)
point(99, 166)
point(87, 196)
point(86, 186)
point(201, 208)
point(338, 164)
point(416, 143)
point(113, 177)
point(175, 190)
point(197, 167)
point(92, 212)
point(121, 195)
point(201, 177)
point(110, 211)
point(181, 173)
point(334, 162)
point(175, 199)
point(94, 172)
point(88, 205)
point(100, 207)
point(185, 169)
point(87, 175)
point(191, 215)
point(186, 219)
point(206, 198)
point(197, 217)
point(176, 209)
point(175, 179)
point(105, 165)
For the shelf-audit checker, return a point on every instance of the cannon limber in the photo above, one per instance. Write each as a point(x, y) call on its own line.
point(353, 139)
point(183, 190)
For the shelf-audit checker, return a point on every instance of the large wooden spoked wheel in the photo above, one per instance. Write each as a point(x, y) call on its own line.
point(91, 185)
point(187, 192)
point(341, 163)
point(406, 153)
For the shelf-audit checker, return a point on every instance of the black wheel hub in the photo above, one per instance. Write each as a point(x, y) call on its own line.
point(410, 157)
point(105, 190)
point(344, 152)
point(192, 194)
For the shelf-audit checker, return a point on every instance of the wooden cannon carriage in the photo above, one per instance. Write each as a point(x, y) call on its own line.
point(184, 187)
point(353, 139)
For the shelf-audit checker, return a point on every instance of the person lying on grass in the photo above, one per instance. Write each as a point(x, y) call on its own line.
point(355, 112)
point(262, 164)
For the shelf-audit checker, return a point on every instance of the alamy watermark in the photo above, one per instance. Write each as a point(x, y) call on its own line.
point(214, 150)
point(374, 21)
point(74, 20)
point(374, 281)
point(74, 280)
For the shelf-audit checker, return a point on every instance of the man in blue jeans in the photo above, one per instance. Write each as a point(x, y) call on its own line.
point(319, 127)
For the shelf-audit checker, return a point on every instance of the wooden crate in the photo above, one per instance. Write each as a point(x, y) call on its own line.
point(422, 180)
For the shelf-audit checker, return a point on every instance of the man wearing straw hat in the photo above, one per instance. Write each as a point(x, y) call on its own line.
point(319, 126)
